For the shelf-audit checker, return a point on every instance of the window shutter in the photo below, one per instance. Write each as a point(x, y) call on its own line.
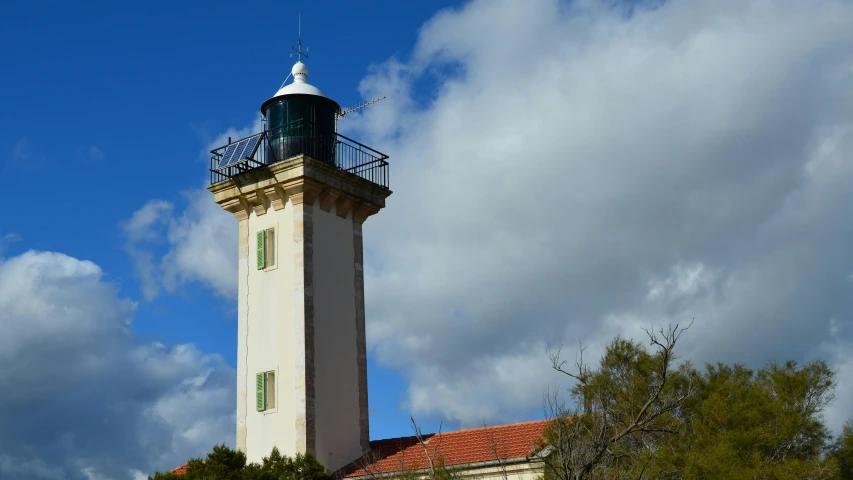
point(261, 255)
point(269, 249)
point(259, 392)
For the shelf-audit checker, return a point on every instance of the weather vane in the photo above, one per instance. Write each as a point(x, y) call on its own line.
point(298, 49)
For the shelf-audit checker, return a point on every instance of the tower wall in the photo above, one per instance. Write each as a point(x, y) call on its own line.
point(269, 340)
point(303, 317)
point(336, 384)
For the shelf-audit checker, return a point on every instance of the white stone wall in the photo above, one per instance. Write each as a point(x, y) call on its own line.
point(335, 348)
point(519, 471)
point(268, 338)
point(510, 470)
point(242, 322)
point(274, 308)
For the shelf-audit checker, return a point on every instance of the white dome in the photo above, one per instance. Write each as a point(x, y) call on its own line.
point(300, 84)
point(299, 87)
point(298, 69)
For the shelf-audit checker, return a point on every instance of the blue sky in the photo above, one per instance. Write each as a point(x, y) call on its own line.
point(109, 105)
point(119, 100)
point(562, 171)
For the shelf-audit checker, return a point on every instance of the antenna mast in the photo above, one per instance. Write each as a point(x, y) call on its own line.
point(359, 107)
point(355, 109)
point(298, 49)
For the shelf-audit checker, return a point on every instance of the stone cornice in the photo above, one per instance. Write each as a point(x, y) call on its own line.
point(299, 180)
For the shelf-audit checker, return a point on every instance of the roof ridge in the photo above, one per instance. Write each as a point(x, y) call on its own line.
point(402, 438)
point(448, 432)
point(487, 427)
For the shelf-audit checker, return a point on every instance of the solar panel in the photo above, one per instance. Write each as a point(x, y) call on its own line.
point(226, 157)
point(251, 144)
point(237, 151)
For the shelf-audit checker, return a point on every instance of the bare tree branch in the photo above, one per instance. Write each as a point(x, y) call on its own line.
point(620, 411)
point(492, 444)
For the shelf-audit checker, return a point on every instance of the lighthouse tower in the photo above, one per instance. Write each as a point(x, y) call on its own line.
point(300, 193)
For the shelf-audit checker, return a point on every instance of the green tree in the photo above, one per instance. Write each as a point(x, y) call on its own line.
point(637, 415)
point(279, 467)
point(226, 464)
point(842, 452)
point(221, 464)
point(743, 424)
point(164, 476)
point(623, 410)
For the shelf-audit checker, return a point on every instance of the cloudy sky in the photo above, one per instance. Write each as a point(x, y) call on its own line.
point(562, 172)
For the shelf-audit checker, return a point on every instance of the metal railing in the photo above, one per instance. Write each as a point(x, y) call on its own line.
point(301, 138)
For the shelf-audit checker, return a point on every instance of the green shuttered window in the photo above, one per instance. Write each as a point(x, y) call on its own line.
point(266, 248)
point(261, 253)
point(265, 391)
point(260, 390)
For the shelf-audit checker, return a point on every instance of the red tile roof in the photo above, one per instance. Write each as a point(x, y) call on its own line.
point(460, 447)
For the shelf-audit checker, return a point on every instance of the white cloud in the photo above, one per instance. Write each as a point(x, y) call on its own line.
point(200, 245)
point(582, 172)
point(204, 246)
point(85, 398)
point(200, 242)
point(144, 226)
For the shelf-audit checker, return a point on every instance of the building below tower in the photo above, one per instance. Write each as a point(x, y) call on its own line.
point(501, 452)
